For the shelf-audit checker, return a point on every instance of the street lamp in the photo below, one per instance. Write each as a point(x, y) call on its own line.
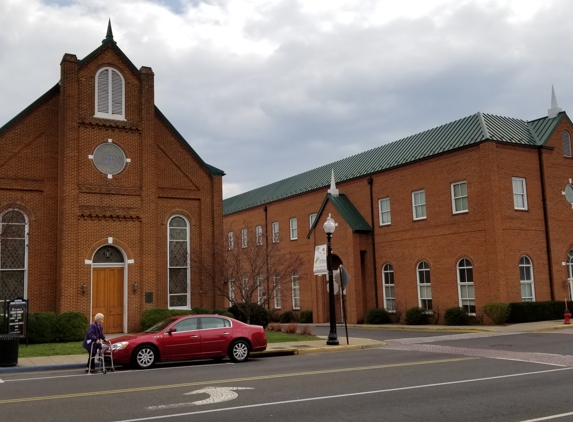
point(329, 226)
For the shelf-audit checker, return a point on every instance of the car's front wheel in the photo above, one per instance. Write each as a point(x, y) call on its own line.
point(239, 351)
point(144, 357)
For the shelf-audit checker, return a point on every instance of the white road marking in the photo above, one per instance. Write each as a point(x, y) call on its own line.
point(546, 418)
point(1, 382)
point(216, 395)
point(337, 396)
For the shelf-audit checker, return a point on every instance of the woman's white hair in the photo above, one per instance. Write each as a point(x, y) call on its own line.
point(98, 317)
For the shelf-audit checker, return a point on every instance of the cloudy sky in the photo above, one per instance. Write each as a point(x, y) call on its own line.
point(266, 89)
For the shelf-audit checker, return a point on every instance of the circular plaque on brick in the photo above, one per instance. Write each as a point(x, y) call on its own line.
point(569, 193)
point(109, 158)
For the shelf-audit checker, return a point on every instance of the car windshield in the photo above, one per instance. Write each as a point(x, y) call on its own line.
point(160, 326)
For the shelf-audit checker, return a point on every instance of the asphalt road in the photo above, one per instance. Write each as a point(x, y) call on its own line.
point(416, 376)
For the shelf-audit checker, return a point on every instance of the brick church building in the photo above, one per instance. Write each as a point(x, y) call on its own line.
point(102, 201)
point(471, 212)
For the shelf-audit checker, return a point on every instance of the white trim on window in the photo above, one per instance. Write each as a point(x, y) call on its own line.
point(260, 289)
point(232, 290)
point(14, 227)
point(277, 291)
point(109, 94)
point(384, 215)
point(519, 193)
point(311, 219)
point(424, 286)
point(419, 204)
point(388, 288)
point(275, 227)
point(566, 143)
point(459, 197)
point(526, 279)
point(179, 296)
point(293, 229)
point(295, 291)
point(466, 291)
point(259, 235)
point(244, 235)
point(231, 241)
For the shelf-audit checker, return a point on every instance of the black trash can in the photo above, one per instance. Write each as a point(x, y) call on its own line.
point(9, 349)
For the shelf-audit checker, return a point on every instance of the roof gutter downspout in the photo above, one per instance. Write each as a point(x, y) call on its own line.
point(546, 223)
point(371, 182)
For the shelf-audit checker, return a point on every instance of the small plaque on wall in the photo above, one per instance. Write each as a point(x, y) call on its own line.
point(148, 297)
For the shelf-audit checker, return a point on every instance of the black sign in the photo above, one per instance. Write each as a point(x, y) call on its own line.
point(18, 317)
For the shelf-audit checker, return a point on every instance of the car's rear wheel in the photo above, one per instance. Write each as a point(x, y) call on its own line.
point(239, 351)
point(144, 357)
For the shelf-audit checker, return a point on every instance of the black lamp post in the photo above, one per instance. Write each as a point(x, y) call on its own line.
point(329, 226)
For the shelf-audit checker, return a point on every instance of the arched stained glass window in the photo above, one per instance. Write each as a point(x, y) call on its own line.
point(178, 263)
point(13, 254)
point(566, 142)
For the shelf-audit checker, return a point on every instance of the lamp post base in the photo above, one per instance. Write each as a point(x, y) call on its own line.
point(332, 339)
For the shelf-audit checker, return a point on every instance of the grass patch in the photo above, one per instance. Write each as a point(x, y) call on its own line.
point(279, 337)
point(75, 348)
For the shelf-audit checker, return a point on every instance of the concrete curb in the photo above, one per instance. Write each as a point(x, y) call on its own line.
point(9, 369)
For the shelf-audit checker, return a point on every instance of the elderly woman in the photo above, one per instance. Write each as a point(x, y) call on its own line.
point(93, 339)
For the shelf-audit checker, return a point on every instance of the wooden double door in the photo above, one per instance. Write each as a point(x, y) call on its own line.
point(107, 298)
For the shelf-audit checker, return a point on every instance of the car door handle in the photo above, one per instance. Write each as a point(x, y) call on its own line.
point(226, 333)
point(194, 336)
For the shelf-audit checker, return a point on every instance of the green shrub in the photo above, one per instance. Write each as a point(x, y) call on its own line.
point(179, 312)
point(71, 326)
point(274, 315)
point(305, 317)
point(287, 317)
point(498, 312)
point(456, 316)
point(251, 313)
point(535, 311)
point(152, 316)
point(223, 312)
point(199, 311)
point(416, 316)
point(43, 327)
point(377, 316)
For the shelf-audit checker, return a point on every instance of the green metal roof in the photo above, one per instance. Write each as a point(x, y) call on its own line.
point(470, 130)
point(348, 212)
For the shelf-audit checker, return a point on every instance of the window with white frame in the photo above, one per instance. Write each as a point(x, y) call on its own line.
point(293, 229)
point(526, 279)
point(424, 286)
point(244, 238)
point(245, 294)
point(110, 94)
point(277, 291)
point(231, 241)
point(419, 204)
point(13, 254)
point(566, 142)
point(388, 284)
point(178, 252)
point(232, 290)
point(519, 193)
point(311, 219)
point(275, 232)
point(384, 211)
point(260, 290)
point(295, 291)
point(259, 234)
point(459, 197)
point(466, 286)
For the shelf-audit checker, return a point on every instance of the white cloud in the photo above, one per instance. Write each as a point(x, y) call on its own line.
point(265, 89)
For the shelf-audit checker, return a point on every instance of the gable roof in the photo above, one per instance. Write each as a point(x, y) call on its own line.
point(347, 211)
point(461, 133)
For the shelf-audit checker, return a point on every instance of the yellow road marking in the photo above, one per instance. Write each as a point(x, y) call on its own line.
point(227, 381)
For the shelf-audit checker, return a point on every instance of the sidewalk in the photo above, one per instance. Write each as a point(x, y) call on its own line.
point(301, 347)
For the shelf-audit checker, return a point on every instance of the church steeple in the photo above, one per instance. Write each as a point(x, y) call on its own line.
point(109, 35)
point(555, 109)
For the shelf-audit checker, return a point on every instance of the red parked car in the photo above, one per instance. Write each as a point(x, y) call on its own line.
point(189, 337)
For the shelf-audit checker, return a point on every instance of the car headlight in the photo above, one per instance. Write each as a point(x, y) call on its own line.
point(119, 346)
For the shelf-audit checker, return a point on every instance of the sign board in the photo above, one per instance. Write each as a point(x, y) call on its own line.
point(320, 260)
point(17, 314)
point(341, 277)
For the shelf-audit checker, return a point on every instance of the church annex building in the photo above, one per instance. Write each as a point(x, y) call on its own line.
point(475, 211)
point(102, 201)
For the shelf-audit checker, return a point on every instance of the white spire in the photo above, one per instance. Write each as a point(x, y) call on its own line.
point(554, 110)
point(333, 191)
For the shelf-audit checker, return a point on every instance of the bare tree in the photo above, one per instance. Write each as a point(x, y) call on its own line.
point(248, 270)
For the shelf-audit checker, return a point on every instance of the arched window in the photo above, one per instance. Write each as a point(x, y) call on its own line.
point(566, 142)
point(466, 286)
point(424, 286)
point(109, 94)
point(178, 263)
point(388, 284)
point(13, 254)
point(295, 291)
point(526, 279)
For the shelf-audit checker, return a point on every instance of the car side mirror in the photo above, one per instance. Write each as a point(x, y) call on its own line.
point(171, 330)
